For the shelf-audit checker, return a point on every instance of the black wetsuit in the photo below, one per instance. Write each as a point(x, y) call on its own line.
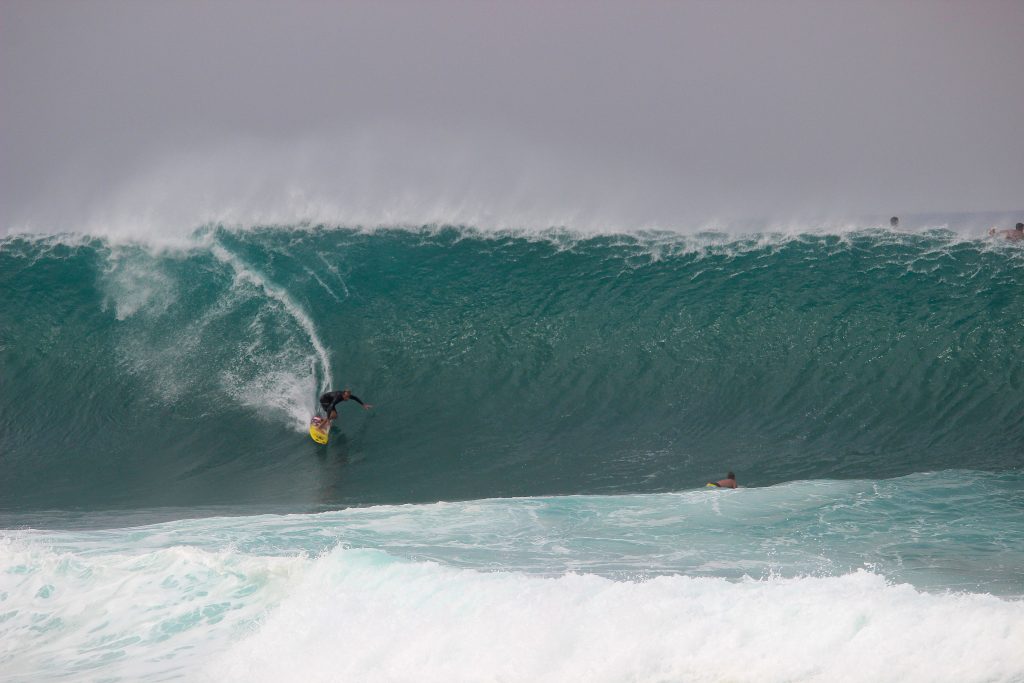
point(332, 398)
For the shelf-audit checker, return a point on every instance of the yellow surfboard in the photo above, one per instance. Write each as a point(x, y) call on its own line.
point(319, 429)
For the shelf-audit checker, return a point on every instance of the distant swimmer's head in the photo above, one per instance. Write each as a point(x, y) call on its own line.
point(1019, 227)
point(730, 475)
point(894, 222)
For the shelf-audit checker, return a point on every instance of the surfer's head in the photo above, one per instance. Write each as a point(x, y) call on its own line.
point(730, 475)
point(894, 221)
point(345, 393)
point(1019, 227)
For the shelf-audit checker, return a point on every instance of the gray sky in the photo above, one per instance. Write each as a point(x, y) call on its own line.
point(165, 114)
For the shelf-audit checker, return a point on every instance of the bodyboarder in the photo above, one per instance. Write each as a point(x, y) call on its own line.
point(1015, 235)
point(728, 483)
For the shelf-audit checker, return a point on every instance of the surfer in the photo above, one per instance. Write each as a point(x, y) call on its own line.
point(728, 483)
point(1013, 235)
point(332, 398)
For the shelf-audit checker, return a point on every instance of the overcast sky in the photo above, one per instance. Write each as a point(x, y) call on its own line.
point(641, 113)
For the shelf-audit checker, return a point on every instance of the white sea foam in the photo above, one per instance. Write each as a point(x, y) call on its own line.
point(353, 619)
point(362, 615)
point(124, 613)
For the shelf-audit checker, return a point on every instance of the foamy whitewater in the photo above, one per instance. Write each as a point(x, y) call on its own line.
point(526, 499)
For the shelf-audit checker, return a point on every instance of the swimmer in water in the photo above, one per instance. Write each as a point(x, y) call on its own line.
point(728, 483)
point(1014, 235)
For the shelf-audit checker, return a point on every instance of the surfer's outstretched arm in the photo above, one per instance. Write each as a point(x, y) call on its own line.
point(366, 406)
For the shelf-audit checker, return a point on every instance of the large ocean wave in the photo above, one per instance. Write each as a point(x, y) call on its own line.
point(165, 516)
point(500, 364)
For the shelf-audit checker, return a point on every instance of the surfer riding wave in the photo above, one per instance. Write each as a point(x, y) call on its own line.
point(331, 399)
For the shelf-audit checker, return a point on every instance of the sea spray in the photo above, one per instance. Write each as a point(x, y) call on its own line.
point(245, 274)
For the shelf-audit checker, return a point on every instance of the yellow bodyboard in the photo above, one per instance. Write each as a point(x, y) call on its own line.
point(319, 429)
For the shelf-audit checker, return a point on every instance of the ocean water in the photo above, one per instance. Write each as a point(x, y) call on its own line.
point(525, 501)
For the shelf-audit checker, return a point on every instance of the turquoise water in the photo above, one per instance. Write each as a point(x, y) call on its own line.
point(568, 396)
point(499, 365)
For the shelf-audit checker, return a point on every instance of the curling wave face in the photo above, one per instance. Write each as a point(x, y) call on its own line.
point(501, 364)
